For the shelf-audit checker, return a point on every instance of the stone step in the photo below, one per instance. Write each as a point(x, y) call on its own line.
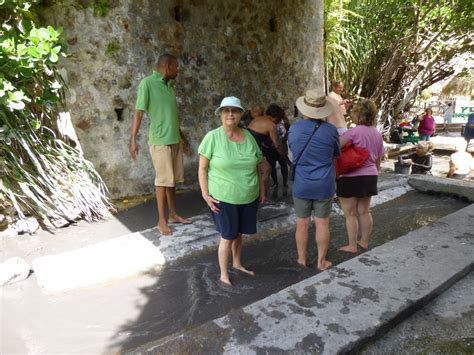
point(341, 309)
point(452, 187)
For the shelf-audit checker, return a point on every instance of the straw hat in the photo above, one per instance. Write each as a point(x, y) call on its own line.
point(315, 104)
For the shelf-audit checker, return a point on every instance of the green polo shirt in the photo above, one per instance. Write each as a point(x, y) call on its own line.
point(158, 100)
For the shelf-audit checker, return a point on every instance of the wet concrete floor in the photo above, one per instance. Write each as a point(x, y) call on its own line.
point(187, 293)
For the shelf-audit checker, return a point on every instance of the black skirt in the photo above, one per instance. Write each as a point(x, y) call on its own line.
point(357, 186)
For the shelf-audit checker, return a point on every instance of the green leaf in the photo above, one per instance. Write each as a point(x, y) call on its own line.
point(53, 57)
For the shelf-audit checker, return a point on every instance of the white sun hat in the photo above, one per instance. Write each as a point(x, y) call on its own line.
point(229, 101)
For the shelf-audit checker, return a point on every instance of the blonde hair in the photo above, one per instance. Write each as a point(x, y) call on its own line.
point(425, 146)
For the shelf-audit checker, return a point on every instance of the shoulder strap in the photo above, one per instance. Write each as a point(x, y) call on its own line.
point(316, 126)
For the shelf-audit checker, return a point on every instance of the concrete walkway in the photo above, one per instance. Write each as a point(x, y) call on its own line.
point(337, 310)
point(341, 309)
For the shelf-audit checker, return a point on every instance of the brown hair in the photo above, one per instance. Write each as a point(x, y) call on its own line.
point(364, 112)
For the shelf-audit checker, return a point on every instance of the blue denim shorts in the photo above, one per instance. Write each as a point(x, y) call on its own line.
point(233, 220)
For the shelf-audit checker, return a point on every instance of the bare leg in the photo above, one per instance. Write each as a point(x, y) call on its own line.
point(161, 202)
point(322, 240)
point(349, 206)
point(223, 255)
point(174, 217)
point(237, 254)
point(301, 237)
point(365, 221)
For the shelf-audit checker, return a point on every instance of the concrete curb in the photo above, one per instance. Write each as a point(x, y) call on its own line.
point(453, 187)
point(339, 310)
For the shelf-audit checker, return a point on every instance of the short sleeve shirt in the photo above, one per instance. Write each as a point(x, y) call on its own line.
point(232, 174)
point(315, 176)
point(158, 100)
point(367, 137)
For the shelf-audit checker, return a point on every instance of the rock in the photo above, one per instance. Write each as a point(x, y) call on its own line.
point(29, 225)
point(13, 270)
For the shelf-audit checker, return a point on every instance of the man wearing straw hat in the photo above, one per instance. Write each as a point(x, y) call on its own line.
point(314, 144)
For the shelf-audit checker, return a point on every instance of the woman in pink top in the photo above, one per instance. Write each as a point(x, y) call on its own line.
point(427, 125)
point(355, 188)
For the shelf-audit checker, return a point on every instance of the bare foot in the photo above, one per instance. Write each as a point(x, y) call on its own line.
point(241, 268)
point(164, 229)
point(326, 264)
point(301, 263)
point(179, 219)
point(363, 246)
point(226, 281)
point(348, 249)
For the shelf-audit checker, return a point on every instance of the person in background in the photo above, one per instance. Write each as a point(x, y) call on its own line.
point(460, 163)
point(263, 128)
point(421, 160)
point(447, 116)
point(356, 188)
point(316, 143)
point(156, 97)
point(230, 178)
point(282, 124)
point(342, 105)
point(427, 126)
point(248, 116)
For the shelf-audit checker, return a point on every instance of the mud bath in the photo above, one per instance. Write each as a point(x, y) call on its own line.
point(187, 293)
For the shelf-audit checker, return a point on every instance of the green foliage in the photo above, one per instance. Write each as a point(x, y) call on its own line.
point(112, 49)
point(390, 50)
point(40, 174)
point(101, 8)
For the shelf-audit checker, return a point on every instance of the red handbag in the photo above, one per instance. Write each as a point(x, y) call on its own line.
point(351, 157)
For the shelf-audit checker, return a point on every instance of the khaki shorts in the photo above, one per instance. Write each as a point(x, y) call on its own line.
point(321, 208)
point(168, 164)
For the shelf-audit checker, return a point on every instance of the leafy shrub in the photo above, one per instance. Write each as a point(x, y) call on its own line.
point(41, 175)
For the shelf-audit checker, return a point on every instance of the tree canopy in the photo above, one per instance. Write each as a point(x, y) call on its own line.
point(390, 50)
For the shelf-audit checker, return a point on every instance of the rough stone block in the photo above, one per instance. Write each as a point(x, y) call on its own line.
point(426, 183)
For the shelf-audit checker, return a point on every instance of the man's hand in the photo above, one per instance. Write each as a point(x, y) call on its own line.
point(347, 104)
point(185, 144)
point(137, 120)
point(134, 149)
point(186, 148)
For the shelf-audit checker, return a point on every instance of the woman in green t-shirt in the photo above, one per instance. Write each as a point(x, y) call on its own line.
point(230, 177)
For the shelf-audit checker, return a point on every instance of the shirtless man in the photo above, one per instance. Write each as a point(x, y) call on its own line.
point(264, 130)
point(342, 105)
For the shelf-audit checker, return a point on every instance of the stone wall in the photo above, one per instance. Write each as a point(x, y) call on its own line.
point(261, 51)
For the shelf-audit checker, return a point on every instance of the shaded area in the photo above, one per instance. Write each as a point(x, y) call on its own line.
point(145, 215)
point(188, 293)
point(444, 326)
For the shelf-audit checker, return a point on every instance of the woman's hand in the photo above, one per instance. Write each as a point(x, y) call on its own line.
point(263, 197)
point(211, 202)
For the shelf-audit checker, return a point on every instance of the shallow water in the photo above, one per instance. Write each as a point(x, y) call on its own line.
point(187, 293)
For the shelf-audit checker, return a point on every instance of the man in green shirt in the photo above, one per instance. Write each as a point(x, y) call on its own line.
point(156, 97)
